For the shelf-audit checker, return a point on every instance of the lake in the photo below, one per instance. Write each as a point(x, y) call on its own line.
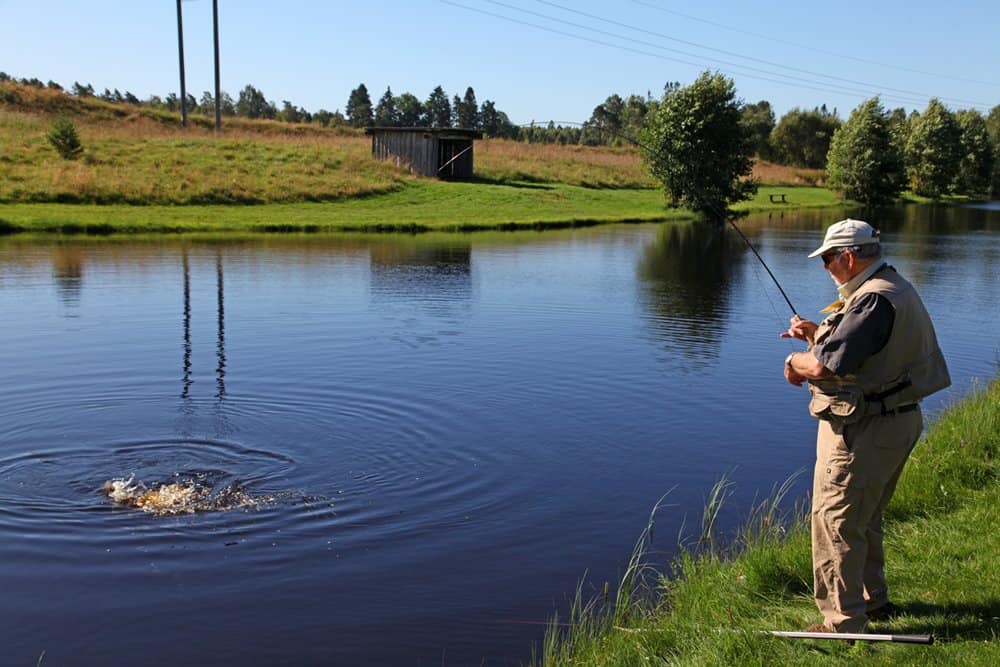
point(409, 449)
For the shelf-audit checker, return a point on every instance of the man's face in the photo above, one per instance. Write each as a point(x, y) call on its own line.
point(839, 262)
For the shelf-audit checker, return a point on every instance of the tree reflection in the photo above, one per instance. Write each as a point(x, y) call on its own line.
point(687, 274)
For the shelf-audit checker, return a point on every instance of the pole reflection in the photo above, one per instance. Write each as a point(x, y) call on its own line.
point(186, 375)
point(220, 368)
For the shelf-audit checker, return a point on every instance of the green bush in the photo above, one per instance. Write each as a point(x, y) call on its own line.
point(64, 139)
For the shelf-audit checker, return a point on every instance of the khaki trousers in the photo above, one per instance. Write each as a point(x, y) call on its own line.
point(857, 467)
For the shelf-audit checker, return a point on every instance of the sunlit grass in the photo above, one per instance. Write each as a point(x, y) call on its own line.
point(140, 172)
point(712, 604)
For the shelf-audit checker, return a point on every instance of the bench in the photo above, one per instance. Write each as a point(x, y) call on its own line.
point(779, 197)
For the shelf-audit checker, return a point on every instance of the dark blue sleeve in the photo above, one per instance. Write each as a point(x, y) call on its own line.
point(862, 332)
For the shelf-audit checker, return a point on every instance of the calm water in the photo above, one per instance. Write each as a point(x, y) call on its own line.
point(452, 430)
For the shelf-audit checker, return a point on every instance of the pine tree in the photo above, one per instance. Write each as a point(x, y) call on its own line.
point(64, 139)
point(359, 107)
point(438, 109)
point(385, 111)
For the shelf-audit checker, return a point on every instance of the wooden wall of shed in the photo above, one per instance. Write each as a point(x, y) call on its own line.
point(417, 150)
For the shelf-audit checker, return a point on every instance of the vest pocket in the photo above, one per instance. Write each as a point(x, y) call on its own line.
point(845, 406)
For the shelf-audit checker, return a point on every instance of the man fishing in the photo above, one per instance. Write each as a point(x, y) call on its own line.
point(867, 366)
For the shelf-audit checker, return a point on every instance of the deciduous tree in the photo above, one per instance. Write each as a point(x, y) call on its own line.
point(495, 123)
point(758, 119)
point(802, 138)
point(410, 110)
point(933, 151)
point(975, 171)
point(865, 162)
point(993, 128)
point(253, 104)
point(696, 146)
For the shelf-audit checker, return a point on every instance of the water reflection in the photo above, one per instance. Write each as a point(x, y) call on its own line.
point(688, 272)
point(422, 268)
point(220, 342)
point(186, 381)
point(67, 271)
point(423, 286)
point(220, 347)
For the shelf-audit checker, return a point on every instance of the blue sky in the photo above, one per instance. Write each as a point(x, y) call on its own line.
point(538, 60)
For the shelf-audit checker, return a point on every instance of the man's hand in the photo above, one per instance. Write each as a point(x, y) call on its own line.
point(801, 329)
point(792, 377)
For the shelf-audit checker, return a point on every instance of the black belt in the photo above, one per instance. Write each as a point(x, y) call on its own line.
point(901, 409)
point(881, 396)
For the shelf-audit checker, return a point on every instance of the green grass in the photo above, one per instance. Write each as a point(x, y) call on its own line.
point(942, 546)
point(795, 197)
point(416, 206)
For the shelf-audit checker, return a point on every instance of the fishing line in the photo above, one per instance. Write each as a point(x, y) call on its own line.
point(722, 213)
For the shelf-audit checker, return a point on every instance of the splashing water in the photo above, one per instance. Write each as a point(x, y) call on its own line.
point(182, 497)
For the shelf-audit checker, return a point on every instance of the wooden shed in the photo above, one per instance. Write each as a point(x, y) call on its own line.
point(431, 151)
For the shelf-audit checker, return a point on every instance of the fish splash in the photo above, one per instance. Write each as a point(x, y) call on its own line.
point(182, 497)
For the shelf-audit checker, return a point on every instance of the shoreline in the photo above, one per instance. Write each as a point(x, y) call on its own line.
point(713, 605)
point(416, 207)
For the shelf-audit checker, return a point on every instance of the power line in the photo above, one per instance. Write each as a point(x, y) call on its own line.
point(740, 69)
point(737, 55)
point(835, 54)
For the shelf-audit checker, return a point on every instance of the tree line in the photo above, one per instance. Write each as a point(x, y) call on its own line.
point(872, 155)
point(406, 110)
point(700, 140)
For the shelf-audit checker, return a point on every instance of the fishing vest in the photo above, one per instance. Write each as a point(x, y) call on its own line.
point(909, 367)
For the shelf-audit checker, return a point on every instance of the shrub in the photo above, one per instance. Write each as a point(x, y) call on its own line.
point(64, 139)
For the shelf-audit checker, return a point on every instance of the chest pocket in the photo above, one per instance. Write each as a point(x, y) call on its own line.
point(827, 327)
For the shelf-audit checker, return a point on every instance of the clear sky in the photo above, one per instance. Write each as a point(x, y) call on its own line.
point(538, 60)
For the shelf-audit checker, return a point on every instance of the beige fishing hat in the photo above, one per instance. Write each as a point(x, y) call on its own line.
point(846, 233)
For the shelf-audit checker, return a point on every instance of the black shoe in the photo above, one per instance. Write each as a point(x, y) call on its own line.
point(886, 612)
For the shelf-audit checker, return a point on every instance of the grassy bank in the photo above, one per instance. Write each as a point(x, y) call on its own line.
point(419, 205)
point(942, 546)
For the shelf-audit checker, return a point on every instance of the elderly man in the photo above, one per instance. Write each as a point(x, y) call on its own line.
point(868, 364)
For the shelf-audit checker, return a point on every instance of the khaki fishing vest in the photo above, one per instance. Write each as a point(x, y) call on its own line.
point(909, 367)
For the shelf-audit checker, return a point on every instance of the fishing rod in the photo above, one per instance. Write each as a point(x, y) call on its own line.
point(724, 214)
point(854, 636)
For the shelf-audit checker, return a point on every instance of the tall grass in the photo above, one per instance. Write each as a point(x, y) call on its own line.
point(711, 603)
point(139, 161)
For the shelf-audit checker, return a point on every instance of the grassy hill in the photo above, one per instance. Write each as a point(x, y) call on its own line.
point(138, 156)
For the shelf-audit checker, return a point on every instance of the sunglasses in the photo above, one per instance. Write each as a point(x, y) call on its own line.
point(832, 255)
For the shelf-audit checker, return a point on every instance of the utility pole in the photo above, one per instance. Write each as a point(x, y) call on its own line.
point(218, 100)
point(180, 51)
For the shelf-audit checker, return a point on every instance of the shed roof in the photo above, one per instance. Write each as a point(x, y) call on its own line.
point(443, 132)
